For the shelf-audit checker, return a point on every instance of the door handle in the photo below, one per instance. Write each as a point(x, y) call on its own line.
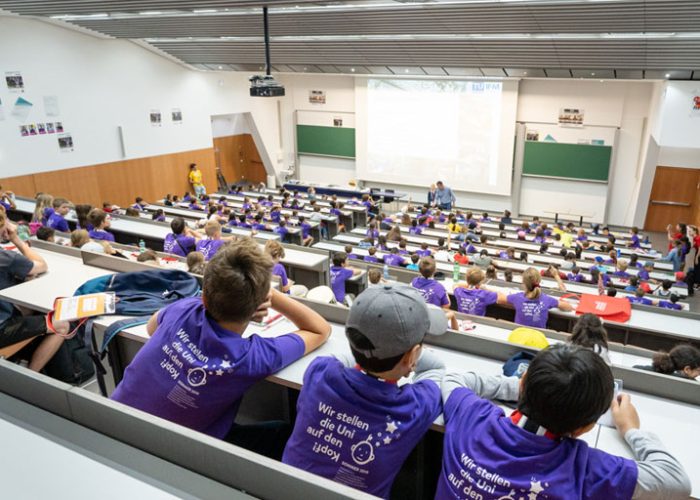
point(671, 203)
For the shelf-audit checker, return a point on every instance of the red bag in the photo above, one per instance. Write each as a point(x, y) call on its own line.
point(607, 308)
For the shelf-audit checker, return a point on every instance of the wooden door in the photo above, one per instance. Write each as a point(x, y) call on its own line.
point(675, 197)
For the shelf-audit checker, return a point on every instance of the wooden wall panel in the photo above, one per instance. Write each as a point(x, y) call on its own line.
point(120, 182)
point(239, 159)
point(22, 185)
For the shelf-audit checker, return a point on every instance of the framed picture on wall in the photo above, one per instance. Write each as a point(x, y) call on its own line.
point(176, 116)
point(155, 117)
point(317, 96)
point(65, 143)
point(570, 117)
point(14, 81)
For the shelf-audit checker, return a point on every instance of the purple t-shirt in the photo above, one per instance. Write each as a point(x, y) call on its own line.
point(415, 230)
point(640, 300)
point(305, 229)
point(99, 234)
point(46, 215)
point(423, 253)
point(643, 275)
point(371, 258)
point(339, 275)
point(208, 248)
point(578, 278)
point(474, 300)
point(279, 270)
point(670, 305)
point(180, 246)
point(635, 241)
point(393, 259)
point(194, 372)
point(487, 456)
point(432, 291)
point(532, 312)
point(355, 429)
point(57, 222)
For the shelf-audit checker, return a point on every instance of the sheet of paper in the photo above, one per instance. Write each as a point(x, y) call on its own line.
point(606, 418)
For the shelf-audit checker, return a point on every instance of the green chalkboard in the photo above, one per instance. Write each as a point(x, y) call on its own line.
point(573, 161)
point(327, 141)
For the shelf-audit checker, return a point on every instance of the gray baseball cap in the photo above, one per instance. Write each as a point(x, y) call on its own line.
point(394, 318)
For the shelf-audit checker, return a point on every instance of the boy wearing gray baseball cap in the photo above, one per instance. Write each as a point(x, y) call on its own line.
point(355, 424)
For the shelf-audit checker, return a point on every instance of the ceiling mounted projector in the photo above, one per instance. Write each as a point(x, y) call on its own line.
point(265, 86)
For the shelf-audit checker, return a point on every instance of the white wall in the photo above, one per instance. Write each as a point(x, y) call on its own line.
point(606, 105)
point(226, 125)
point(102, 84)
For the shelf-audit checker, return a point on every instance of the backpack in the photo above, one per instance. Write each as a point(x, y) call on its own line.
point(139, 294)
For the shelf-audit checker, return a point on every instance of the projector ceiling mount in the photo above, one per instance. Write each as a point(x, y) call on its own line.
point(266, 86)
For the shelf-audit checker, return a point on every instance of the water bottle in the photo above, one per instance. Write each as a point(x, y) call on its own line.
point(455, 272)
point(386, 272)
point(142, 246)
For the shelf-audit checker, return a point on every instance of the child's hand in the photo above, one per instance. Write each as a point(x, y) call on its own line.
point(624, 414)
point(262, 309)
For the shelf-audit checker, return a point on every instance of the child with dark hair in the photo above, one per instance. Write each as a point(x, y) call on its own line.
point(611, 291)
point(413, 266)
point(385, 329)
point(432, 291)
point(340, 273)
point(536, 449)
point(590, 333)
point(216, 363)
point(671, 303)
point(639, 298)
point(681, 361)
point(665, 289)
point(182, 240)
point(100, 222)
point(45, 234)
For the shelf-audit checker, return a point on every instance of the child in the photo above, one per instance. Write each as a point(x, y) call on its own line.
point(471, 298)
point(182, 240)
point(43, 209)
point(671, 303)
point(461, 256)
point(413, 266)
point(674, 256)
point(634, 261)
point(196, 263)
point(535, 449)
point(483, 260)
point(414, 229)
point(282, 230)
point(506, 219)
point(98, 218)
point(424, 250)
point(259, 225)
point(374, 276)
point(633, 284)
point(131, 212)
point(394, 259)
point(207, 331)
point(639, 298)
point(276, 251)
point(590, 333)
point(168, 201)
point(385, 330)
point(394, 234)
point(665, 289)
point(158, 215)
point(432, 291)
point(372, 257)
point(372, 231)
point(82, 211)
point(340, 273)
point(575, 275)
point(15, 268)
point(57, 220)
point(402, 247)
point(508, 275)
point(634, 238)
point(532, 306)
point(682, 361)
point(348, 251)
point(209, 246)
point(621, 271)
point(507, 254)
point(139, 204)
point(45, 234)
point(306, 238)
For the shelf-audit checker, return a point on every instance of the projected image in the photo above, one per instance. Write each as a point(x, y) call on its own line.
point(419, 131)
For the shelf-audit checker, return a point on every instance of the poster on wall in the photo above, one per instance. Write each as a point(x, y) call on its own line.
point(317, 96)
point(51, 105)
point(21, 109)
point(59, 127)
point(41, 127)
point(156, 118)
point(32, 129)
point(337, 121)
point(570, 117)
point(532, 135)
point(14, 81)
point(24, 130)
point(176, 115)
point(65, 143)
point(694, 110)
point(50, 128)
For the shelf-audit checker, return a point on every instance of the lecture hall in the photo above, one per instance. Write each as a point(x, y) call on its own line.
point(350, 249)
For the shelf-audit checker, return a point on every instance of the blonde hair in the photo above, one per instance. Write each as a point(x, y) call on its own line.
point(475, 276)
point(622, 265)
point(42, 201)
point(531, 283)
point(274, 249)
point(79, 237)
point(212, 227)
point(3, 217)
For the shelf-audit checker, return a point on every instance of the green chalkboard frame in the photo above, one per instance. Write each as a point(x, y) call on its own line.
point(582, 162)
point(326, 141)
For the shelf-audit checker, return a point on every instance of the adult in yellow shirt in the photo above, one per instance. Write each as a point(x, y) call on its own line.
point(195, 178)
